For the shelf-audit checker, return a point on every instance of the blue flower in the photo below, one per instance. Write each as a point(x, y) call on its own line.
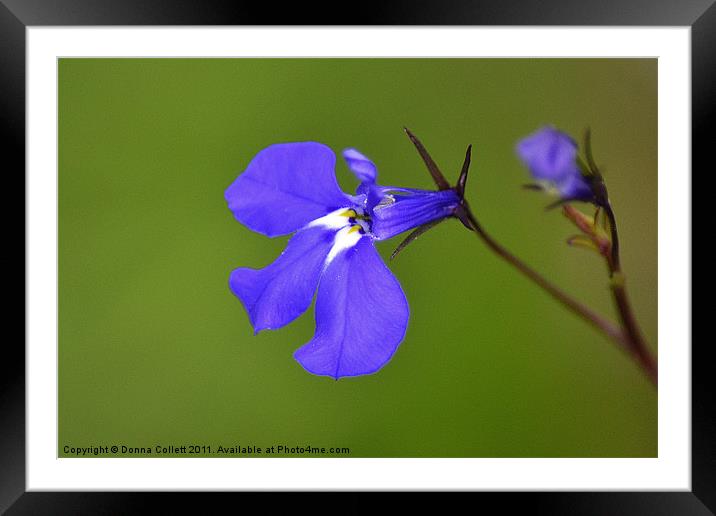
point(551, 157)
point(361, 311)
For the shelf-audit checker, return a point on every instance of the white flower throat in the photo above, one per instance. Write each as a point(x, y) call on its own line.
point(351, 223)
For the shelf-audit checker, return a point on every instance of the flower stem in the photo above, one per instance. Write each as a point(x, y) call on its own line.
point(635, 340)
point(586, 313)
point(628, 336)
point(614, 264)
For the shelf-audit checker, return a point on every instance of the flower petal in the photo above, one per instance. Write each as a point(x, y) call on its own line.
point(549, 154)
point(406, 209)
point(275, 295)
point(363, 168)
point(284, 187)
point(575, 187)
point(361, 315)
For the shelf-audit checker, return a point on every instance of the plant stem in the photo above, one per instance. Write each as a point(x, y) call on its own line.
point(628, 336)
point(614, 264)
point(596, 320)
point(635, 340)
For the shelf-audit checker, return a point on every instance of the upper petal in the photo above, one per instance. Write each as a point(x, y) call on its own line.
point(404, 209)
point(549, 154)
point(361, 315)
point(275, 295)
point(286, 186)
point(363, 168)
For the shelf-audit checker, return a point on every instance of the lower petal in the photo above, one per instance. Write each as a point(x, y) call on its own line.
point(361, 315)
point(276, 295)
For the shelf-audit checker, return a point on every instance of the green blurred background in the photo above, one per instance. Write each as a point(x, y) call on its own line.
point(154, 348)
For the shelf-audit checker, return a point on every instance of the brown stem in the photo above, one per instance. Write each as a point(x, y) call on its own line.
point(614, 265)
point(635, 340)
point(575, 306)
point(629, 337)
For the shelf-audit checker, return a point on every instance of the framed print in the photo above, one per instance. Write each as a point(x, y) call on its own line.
point(417, 253)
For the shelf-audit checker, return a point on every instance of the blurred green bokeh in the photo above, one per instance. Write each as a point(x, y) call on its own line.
point(154, 349)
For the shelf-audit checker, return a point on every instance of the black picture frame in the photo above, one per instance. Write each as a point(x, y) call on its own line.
point(16, 15)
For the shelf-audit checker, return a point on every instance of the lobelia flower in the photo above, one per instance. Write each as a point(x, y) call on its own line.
point(361, 311)
point(551, 157)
